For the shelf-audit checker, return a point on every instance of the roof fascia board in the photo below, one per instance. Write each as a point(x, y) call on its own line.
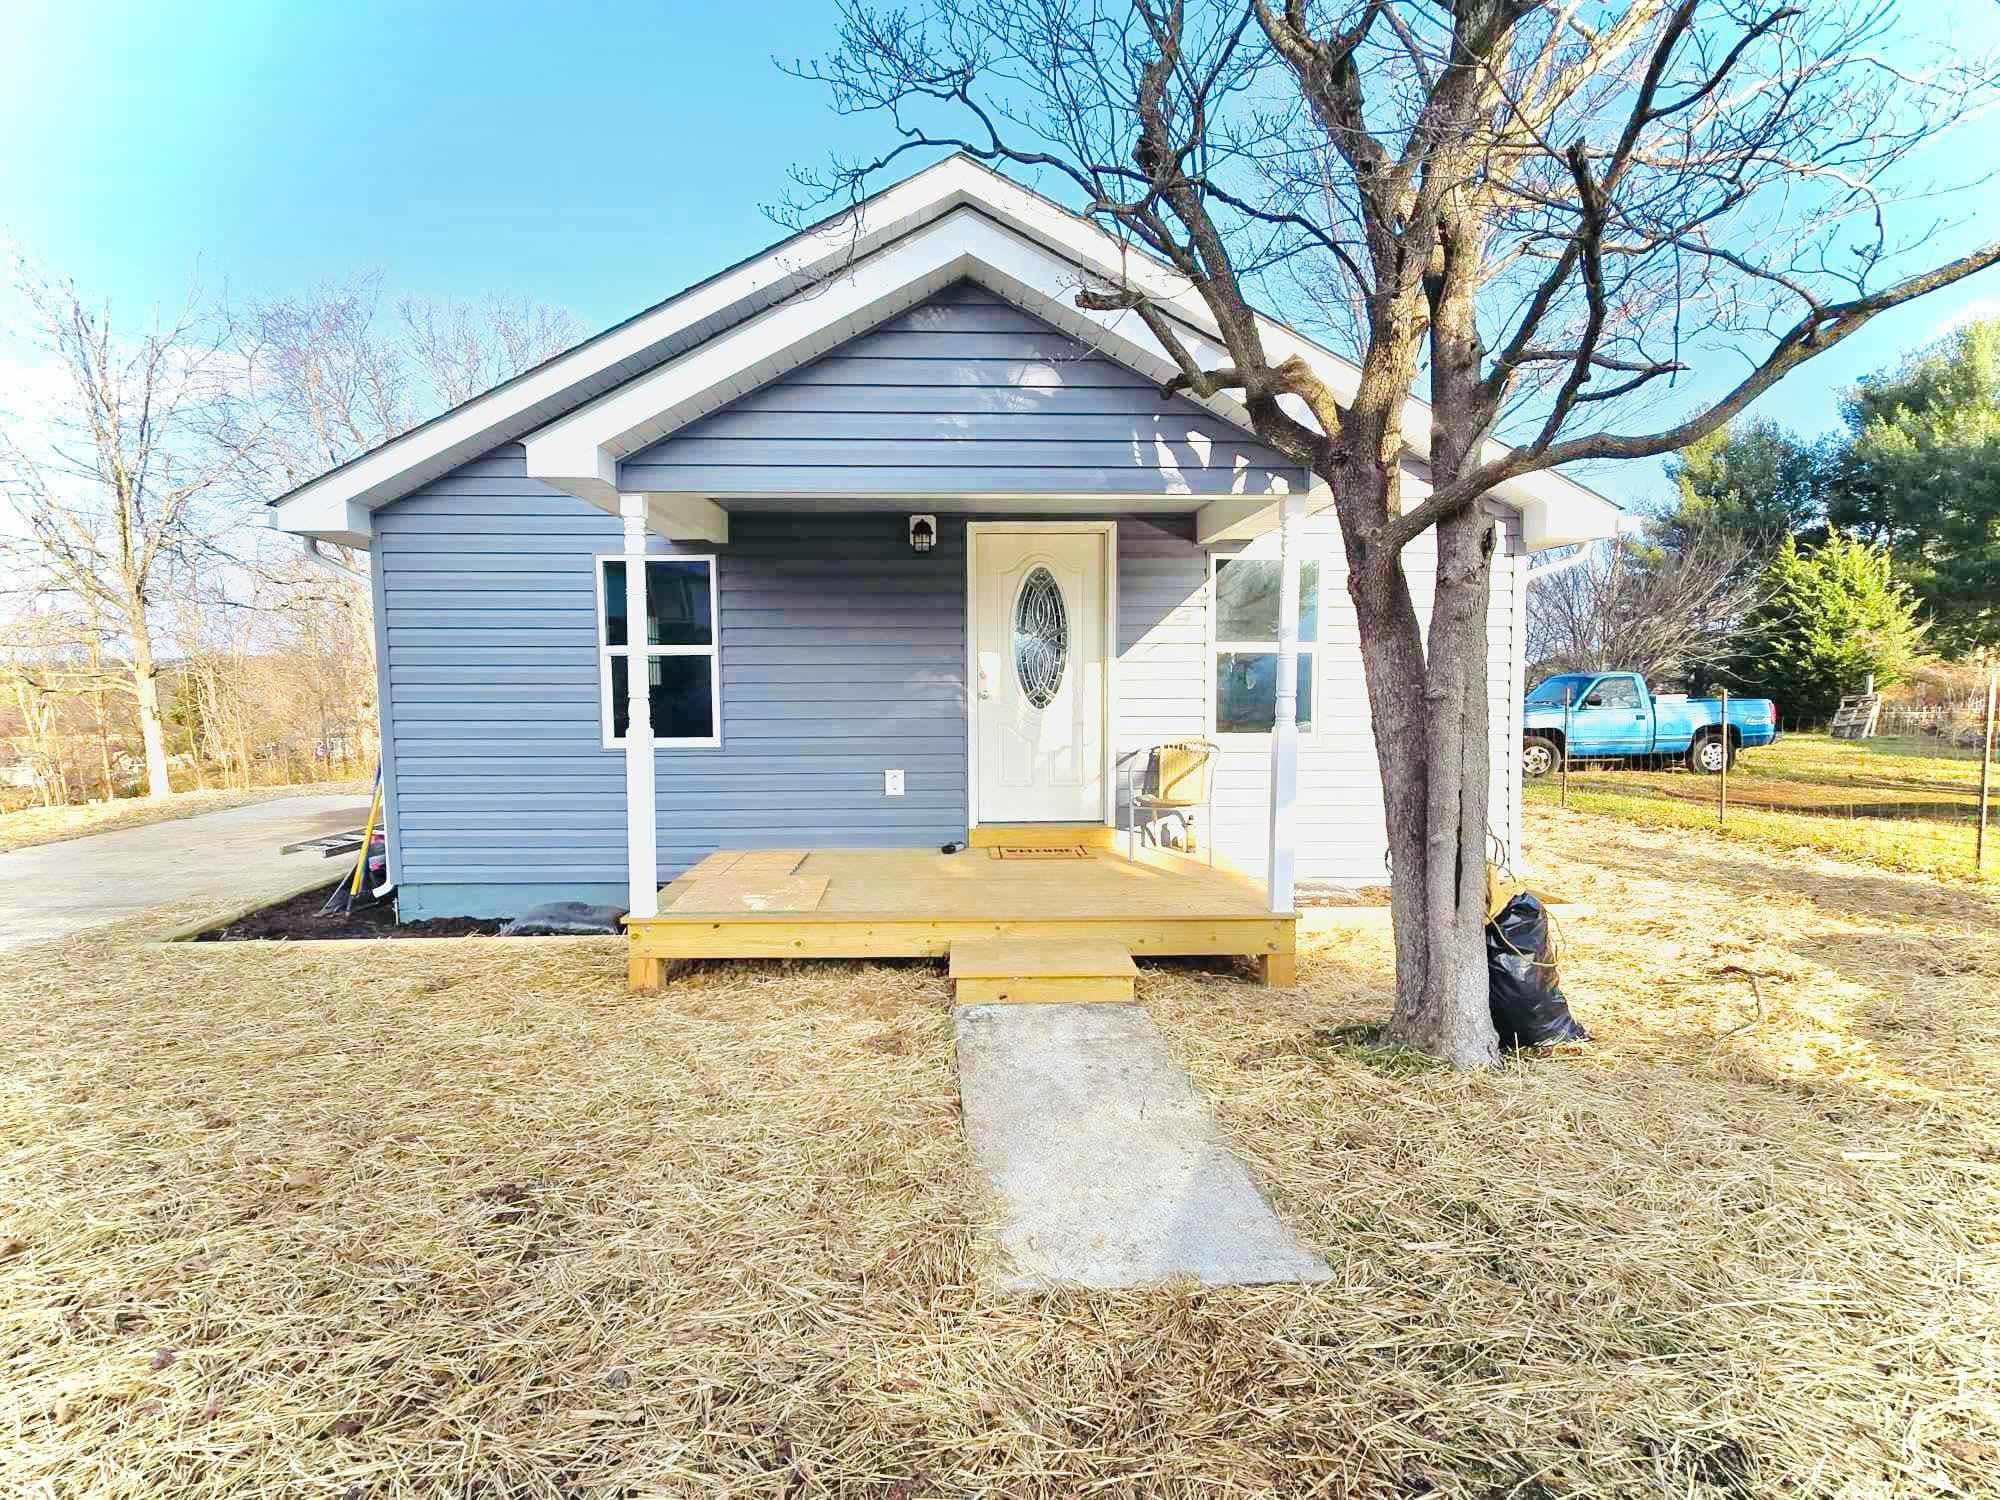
point(325, 516)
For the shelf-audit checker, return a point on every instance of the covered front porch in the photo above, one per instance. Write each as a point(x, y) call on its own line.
point(1041, 894)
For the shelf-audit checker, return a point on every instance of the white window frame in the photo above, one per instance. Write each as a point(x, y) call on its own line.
point(606, 652)
point(1308, 645)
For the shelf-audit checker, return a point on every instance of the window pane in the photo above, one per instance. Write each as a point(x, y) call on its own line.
point(1041, 637)
point(1246, 691)
point(683, 706)
point(1246, 599)
point(614, 604)
point(1614, 692)
point(677, 604)
point(677, 611)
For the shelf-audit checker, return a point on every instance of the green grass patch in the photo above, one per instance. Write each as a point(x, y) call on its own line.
point(1886, 807)
point(1913, 760)
point(1370, 1046)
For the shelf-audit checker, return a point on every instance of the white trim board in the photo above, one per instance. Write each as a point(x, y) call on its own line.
point(1072, 251)
point(606, 651)
point(1108, 531)
point(1314, 553)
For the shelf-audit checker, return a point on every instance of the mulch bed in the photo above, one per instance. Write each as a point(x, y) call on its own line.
point(299, 920)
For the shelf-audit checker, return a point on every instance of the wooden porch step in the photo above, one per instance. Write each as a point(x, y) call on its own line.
point(997, 971)
point(1042, 836)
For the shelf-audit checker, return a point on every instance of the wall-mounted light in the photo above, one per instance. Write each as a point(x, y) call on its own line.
point(923, 533)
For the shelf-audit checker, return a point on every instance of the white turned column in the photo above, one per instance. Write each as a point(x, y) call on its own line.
point(642, 846)
point(1285, 724)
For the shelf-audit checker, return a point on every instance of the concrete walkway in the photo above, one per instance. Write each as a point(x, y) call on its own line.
point(1105, 1158)
point(225, 857)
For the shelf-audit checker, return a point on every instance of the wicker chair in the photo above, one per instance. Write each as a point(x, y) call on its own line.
point(1177, 779)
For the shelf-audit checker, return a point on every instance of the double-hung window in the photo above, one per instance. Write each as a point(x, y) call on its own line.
point(1243, 618)
point(675, 653)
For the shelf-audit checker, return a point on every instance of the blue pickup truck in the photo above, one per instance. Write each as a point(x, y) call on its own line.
point(1613, 716)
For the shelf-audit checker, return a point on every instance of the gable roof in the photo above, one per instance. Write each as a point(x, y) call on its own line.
point(585, 409)
point(962, 402)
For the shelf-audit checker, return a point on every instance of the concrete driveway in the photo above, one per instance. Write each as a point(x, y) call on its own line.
point(228, 858)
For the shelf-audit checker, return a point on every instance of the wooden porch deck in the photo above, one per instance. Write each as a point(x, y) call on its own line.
point(913, 903)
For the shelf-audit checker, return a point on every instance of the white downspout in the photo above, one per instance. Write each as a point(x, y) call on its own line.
point(311, 544)
point(1561, 564)
point(1285, 720)
point(642, 846)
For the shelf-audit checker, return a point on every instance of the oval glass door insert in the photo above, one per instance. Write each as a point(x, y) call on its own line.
point(1041, 637)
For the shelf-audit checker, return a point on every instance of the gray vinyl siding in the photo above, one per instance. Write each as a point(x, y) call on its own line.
point(843, 654)
point(962, 394)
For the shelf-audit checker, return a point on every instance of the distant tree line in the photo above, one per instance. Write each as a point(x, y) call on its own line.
point(1800, 569)
point(153, 634)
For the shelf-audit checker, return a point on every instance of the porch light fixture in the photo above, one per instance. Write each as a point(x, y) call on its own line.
point(923, 533)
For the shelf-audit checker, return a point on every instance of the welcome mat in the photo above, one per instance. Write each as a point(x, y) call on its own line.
point(1034, 851)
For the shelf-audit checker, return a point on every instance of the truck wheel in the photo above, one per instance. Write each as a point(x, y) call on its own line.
point(1538, 757)
point(1710, 753)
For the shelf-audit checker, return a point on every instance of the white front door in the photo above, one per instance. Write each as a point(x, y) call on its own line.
point(1039, 675)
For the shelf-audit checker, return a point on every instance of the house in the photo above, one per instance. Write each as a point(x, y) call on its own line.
point(928, 555)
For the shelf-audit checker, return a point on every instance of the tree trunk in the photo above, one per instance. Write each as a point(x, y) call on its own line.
point(146, 689)
point(1450, 1015)
point(103, 739)
point(1430, 718)
point(1453, 1018)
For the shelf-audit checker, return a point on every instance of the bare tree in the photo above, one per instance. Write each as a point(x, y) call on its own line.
point(1669, 615)
point(32, 664)
point(1539, 210)
point(138, 488)
point(114, 488)
point(327, 376)
point(55, 676)
point(333, 373)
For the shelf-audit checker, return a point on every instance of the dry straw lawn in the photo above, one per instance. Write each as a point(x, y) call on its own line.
point(460, 1218)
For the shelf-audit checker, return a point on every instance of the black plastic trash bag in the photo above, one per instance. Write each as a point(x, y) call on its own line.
point(564, 919)
point(1521, 978)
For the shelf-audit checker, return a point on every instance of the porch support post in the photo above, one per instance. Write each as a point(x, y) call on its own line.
point(642, 847)
point(1285, 722)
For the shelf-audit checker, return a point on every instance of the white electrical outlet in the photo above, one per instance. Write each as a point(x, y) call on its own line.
point(892, 783)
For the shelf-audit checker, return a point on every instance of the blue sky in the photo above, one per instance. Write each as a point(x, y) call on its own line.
point(596, 156)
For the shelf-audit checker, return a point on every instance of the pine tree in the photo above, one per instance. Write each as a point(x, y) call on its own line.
point(1830, 617)
point(1752, 480)
point(1920, 473)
